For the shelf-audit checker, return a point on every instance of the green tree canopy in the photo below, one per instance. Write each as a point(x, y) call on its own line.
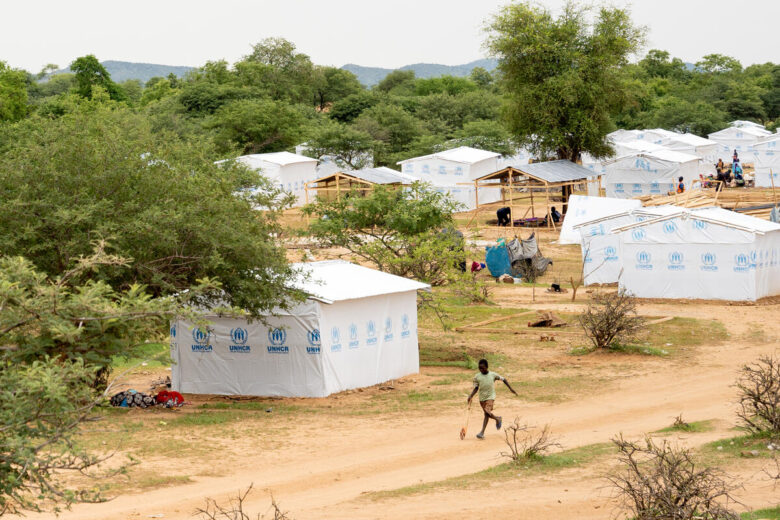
point(90, 73)
point(562, 76)
point(13, 93)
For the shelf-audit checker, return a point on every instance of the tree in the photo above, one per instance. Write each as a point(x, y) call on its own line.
point(333, 84)
point(657, 63)
point(348, 147)
point(349, 108)
point(482, 77)
point(258, 125)
point(718, 63)
point(611, 320)
point(397, 82)
point(13, 93)
point(399, 230)
point(443, 84)
point(390, 124)
point(55, 333)
point(562, 76)
point(99, 171)
point(90, 73)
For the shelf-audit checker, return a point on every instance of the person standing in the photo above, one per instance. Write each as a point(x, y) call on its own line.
point(680, 185)
point(484, 383)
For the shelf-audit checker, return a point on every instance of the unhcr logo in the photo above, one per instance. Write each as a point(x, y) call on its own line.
point(371, 338)
point(353, 336)
point(388, 329)
point(314, 342)
point(173, 331)
point(202, 339)
point(655, 188)
point(619, 188)
point(637, 188)
point(277, 337)
point(239, 336)
point(708, 262)
point(610, 254)
point(676, 261)
point(595, 231)
point(638, 234)
point(405, 326)
point(699, 225)
point(670, 227)
point(643, 261)
point(741, 263)
point(240, 349)
point(335, 339)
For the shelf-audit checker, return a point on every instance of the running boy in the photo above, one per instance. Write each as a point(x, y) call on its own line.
point(484, 384)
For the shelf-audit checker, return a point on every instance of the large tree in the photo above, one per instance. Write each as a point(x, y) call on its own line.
point(99, 171)
point(13, 93)
point(562, 75)
point(91, 73)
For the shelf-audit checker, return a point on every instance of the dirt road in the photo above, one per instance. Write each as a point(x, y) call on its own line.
point(325, 466)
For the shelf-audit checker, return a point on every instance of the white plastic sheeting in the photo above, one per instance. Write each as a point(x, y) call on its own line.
point(649, 173)
point(766, 160)
point(601, 257)
point(740, 139)
point(709, 253)
point(287, 170)
point(359, 328)
point(583, 209)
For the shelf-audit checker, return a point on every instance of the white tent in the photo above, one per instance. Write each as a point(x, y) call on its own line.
point(582, 209)
point(740, 139)
point(649, 173)
point(451, 171)
point(705, 149)
point(708, 253)
point(766, 159)
point(289, 171)
point(357, 328)
point(601, 258)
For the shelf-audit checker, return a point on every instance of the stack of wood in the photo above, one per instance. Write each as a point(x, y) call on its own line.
point(547, 319)
point(754, 202)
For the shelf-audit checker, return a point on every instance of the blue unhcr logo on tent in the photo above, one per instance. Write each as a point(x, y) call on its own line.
point(202, 339)
point(676, 261)
point(335, 339)
point(173, 331)
point(371, 333)
point(638, 234)
point(277, 338)
point(388, 329)
point(354, 342)
point(741, 263)
point(405, 326)
point(239, 336)
point(643, 259)
point(314, 341)
point(610, 254)
point(699, 225)
point(670, 227)
point(708, 262)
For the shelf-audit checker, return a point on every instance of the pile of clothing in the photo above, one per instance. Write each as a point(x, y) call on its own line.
point(515, 256)
point(135, 399)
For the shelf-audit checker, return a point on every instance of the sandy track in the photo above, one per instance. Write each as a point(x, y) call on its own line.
point(325, 466)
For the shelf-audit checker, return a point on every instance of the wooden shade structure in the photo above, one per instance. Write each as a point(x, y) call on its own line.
point(332, 185)
point(518, 183)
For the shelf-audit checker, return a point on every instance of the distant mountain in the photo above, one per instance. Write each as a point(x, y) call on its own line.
point(143, 72)
point(370, 76)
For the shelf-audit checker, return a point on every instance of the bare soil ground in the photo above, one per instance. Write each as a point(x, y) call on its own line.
point(393, 451)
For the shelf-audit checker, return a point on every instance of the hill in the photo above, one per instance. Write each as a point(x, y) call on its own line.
point(124, 70)
point(370, 76)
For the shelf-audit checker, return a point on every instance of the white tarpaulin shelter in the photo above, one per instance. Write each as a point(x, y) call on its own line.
point(451, 171)
point(705, 149)
point(289, 171)
point(740, 139)
point(649, 173)
point(708, 253)
point(583, 209)
point(357, 328)
point(601, 258)
point(766, 159)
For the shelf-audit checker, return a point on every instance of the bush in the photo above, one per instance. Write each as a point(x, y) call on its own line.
point(759, 395)
point(526, 444)
point(660, 482)
point(611, 320)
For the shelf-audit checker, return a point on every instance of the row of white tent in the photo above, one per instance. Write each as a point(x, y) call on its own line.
point(674, 252)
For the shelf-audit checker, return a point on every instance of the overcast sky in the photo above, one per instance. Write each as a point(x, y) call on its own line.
point(387, 33)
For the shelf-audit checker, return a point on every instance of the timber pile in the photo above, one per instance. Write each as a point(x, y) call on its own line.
point(756, 203)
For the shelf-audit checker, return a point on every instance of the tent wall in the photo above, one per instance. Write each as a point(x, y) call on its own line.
point(445, 172)
point(636, 176)
point(240, 358)
point(369, 340)
point(583, 209)
point(732, 138)
point(293, 178)
point(768, 265)
point(601, 256)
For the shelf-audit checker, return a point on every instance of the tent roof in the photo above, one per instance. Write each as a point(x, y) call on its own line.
point(661, 154)
point(767, 139)
point(742, 124)
point(690, 139)
point(462, 154)
point(549, 171)
point(755, 131)
point(336, 280)
point(714, 215)
point(381, 175)
point(280, 158)
point(652, 211)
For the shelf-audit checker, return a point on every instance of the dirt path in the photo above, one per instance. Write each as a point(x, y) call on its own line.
point(326, 465)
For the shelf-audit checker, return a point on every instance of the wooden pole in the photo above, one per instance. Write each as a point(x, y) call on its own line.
point(511, 202)
point(338, 187)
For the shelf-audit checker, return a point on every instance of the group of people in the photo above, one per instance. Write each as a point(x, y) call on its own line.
point(724, 174)
point(505, 215)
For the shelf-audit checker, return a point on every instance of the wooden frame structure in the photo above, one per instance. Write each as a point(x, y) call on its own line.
point(517, 185)
point(342, 181)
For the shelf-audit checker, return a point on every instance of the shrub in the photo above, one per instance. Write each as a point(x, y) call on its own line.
point(660, 481)
point(525, 443)
point(759, 395)
point(611, 319)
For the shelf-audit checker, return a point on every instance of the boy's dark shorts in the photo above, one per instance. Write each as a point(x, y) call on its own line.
point(487, 405)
